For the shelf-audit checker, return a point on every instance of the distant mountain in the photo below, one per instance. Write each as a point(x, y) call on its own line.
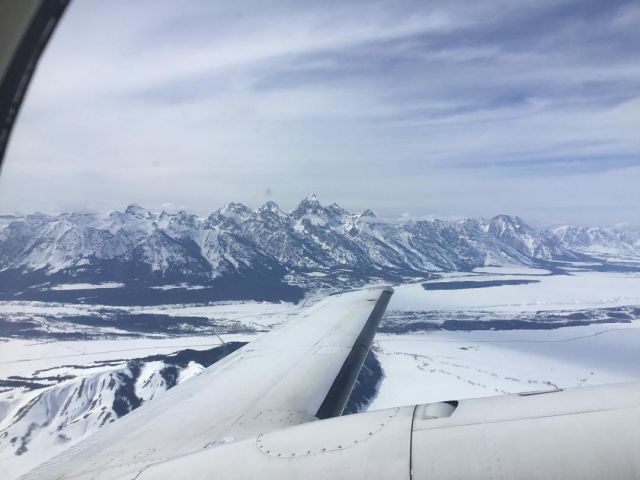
point(266, 253)
point(599, 241)
point(513, 231)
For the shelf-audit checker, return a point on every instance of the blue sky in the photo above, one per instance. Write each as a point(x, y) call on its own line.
point(443, 109)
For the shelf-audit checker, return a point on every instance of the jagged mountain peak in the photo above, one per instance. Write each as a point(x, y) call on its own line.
point(508, 219)
point(229, 217)
point(271, 207)
point(503, 223)
point(312, 206)
point(179, 220)
point(336, 211)
point(137, 211)
point(235, 207)
point(236, 211)
point(307, 205)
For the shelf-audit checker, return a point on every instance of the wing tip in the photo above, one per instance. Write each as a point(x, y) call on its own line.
point(381, 288)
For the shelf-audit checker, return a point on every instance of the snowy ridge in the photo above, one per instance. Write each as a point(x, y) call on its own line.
point(42, 415)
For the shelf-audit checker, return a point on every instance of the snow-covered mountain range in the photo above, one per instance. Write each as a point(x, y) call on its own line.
point(236, 249)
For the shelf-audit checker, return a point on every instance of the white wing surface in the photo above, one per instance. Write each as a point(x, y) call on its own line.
point(298, 372)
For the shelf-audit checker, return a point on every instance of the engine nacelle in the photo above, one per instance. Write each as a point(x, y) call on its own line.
point(581, 433)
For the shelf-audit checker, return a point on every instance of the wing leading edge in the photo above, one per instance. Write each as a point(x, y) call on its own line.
point(303, 370)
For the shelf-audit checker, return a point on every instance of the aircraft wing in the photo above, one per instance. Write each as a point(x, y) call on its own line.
point(299, 372)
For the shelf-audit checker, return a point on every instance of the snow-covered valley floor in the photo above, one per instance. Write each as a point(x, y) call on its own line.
point(464, 335)
point(571, 330)
point(436, 366)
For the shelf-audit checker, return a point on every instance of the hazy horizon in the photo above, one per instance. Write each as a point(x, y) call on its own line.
point(441, 110)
